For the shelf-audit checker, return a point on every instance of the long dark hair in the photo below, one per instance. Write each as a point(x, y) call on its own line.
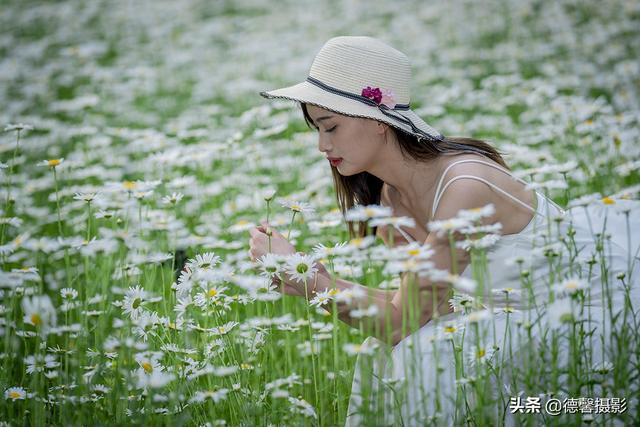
point(364, 188)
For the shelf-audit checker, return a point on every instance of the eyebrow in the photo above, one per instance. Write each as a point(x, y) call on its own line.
point(319, 119)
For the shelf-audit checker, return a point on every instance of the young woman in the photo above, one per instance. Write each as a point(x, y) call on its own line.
point(381, 153)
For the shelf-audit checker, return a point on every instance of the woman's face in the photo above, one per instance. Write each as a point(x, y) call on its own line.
point(354, 142)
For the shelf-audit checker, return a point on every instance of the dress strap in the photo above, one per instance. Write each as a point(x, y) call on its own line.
point(490, 184)
point(439, 192)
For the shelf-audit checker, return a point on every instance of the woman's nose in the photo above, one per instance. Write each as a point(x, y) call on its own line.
point(323, 144)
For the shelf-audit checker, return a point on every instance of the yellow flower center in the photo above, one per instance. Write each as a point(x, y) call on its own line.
point(129, 185)
point(53, 162)
point(148, 368)
point(481, 353)
point(588, 121)
point(242, 222)
point(15, 395)
point(414, 252)
point(213, 292)
point(608, 201)
point(334, 291)
point(35, 319)
point(571, 285)
point(450, 329)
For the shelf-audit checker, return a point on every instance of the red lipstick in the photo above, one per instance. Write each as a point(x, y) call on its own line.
point(335, 161)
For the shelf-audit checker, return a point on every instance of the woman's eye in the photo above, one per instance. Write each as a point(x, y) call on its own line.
point(332, 129)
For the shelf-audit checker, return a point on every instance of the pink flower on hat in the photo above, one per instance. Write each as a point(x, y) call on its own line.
point(380, 96)
point(388, 98)
point(372, 93)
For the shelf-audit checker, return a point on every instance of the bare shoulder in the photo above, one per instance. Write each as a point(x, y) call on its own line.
point(462, 192)
point(464, 185)
point(470, 164)
point(474, 184)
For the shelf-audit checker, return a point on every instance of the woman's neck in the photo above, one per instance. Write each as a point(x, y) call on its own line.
point(409, 178)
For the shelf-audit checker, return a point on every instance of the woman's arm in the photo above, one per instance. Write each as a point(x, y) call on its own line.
point(403, 311)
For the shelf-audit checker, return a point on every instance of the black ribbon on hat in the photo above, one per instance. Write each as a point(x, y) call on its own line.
point(393, 113)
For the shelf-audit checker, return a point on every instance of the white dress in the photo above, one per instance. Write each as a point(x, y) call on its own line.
point(396, 386)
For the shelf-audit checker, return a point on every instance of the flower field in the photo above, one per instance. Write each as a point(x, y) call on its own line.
point(137, 155)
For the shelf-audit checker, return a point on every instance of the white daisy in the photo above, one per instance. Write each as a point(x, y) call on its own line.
point(15, 393)
point(321, 251)
point(85, 197)
point(478, 355)
point(215, 396)
point(322, 298)
point(153, 379)
point(173, 199)
point(203, 261)
point(365, 213)
point(302, 407)
point(451, 329)
point(17, 127)
point(39, 312)
point(133, 300)
point(68, 293)
point(476, 214)
point(368, 347)
point(357, 243)
point(297, 206)
point(52, 163)
point(407, 265)
point(370, 311)
point(268, 194)
point(442, 227)
point(571, 286)
point(348, 295)
point(483, 242)
point(223, 329)
point(461, 302)
point(413, 250)
point(270, 264)
point(104, 214)
point(300, 267)
point(38, 363)
point(602, 368)
point(394, 221)
point(145, 324)
point(182, 305)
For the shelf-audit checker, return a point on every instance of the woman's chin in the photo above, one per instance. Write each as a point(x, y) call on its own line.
point(345, 171)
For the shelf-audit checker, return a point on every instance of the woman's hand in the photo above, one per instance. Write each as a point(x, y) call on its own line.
point(259, 246)
point(259, 242)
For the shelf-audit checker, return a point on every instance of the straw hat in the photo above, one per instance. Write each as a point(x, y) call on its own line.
point(361, 77)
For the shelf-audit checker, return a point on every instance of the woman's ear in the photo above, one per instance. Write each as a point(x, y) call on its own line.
point(381, 128)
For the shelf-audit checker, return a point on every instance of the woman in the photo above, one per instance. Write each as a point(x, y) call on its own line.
point(381, 153)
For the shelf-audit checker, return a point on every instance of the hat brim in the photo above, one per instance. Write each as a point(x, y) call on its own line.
point(308, 93)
